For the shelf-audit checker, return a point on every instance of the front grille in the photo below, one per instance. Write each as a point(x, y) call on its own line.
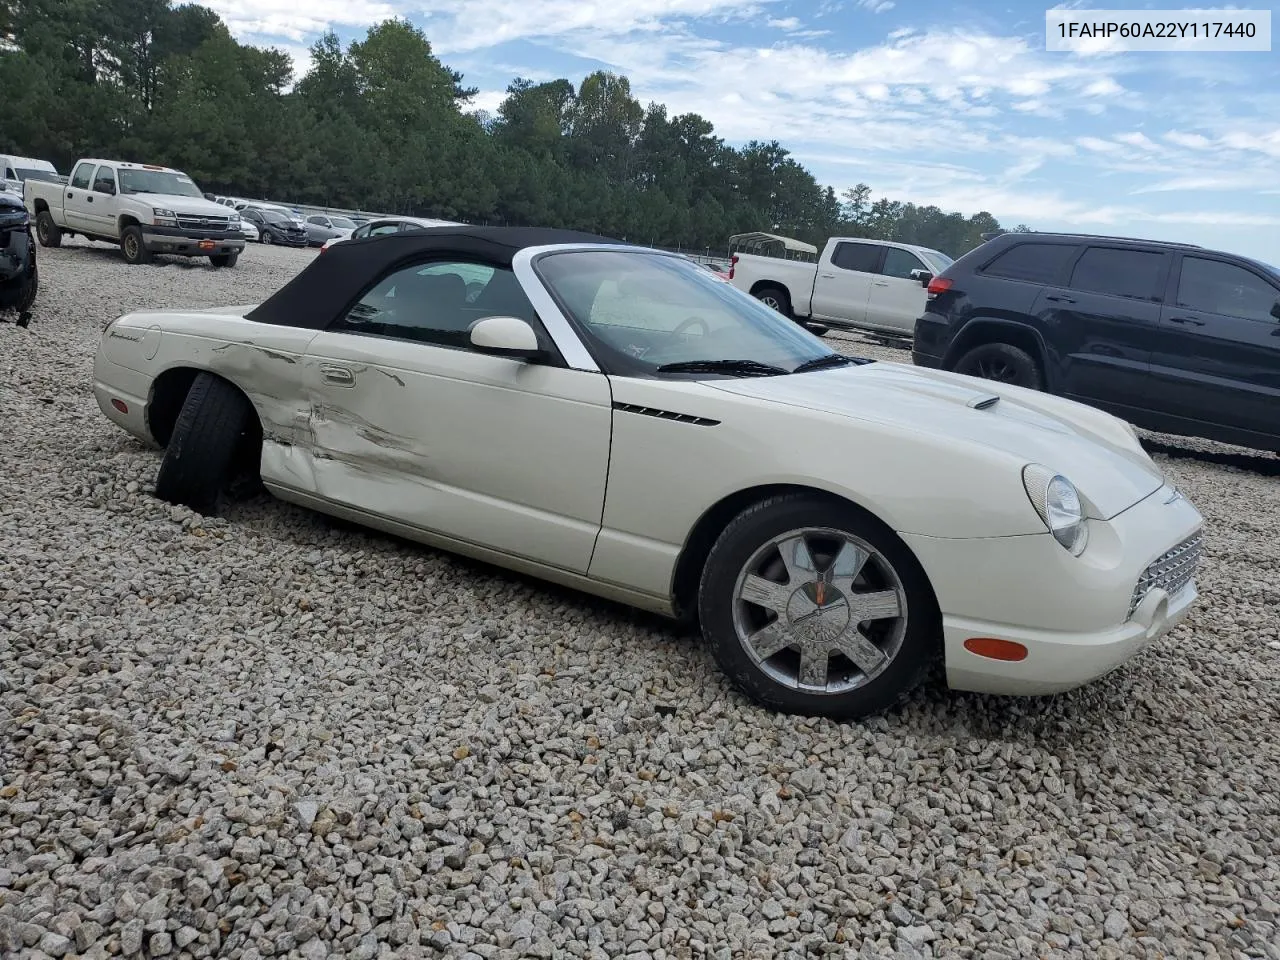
point(1171, 571)
point(203, 223)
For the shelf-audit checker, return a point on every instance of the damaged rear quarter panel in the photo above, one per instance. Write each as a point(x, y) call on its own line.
point(265, 361)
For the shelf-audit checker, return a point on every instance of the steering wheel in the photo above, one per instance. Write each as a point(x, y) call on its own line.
point(690, 321)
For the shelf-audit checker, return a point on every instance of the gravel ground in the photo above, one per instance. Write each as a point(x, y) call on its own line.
point(270, 735)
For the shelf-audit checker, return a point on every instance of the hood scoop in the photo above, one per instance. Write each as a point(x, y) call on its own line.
point(984, 403)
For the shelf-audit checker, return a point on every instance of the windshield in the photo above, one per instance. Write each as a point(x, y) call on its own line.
point(342, 223)
point(49, 176)
point(158, 181)
point(643, 311)
point(274, 216)
point(939, 261)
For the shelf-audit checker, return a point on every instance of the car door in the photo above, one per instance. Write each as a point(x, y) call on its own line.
point(1216, 357)
point(895, 300)
point(410, 424)
point(1102, 323)
point(843, 284)
point(102, 202)
point(75, 205)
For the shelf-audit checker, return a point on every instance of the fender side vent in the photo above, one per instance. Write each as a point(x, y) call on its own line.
point(665, 414)
point(983, 403)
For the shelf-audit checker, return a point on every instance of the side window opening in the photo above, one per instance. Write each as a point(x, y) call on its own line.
point(1032, 262)
point(436, 303)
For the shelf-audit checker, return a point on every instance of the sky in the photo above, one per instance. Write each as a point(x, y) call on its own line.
point(956, 104)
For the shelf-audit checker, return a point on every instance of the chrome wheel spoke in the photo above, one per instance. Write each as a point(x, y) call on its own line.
point(814, 661)
point(770, 640)
point(798, 561)
point(876, 605)
point(766, 593)
point(869, 658)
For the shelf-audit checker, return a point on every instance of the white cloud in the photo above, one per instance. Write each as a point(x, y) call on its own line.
point(876, 6)
point(783, 23)
point(295, 21)
point(1103, 87)
point(1192, 141)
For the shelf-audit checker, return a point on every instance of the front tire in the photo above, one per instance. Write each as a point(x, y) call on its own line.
point(133, 246)
point(214, 425)
point(1002, 363)
point(224, 259)
point(47, 232)
point(812, 607)
point(266, 237)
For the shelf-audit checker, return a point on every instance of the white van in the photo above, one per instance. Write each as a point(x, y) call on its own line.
point(15, 170)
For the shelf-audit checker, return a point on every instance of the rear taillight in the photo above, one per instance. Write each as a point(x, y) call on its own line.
point(733, 262)
point(939, 285)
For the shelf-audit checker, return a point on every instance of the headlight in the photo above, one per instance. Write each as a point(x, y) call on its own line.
point(234, 218)
point(1057, 501)
point(163, 217)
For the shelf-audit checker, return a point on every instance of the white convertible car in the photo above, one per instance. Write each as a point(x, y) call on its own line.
point(620, 420)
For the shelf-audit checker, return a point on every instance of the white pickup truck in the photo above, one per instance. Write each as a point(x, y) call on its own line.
point(144, 208)
point(873, 285)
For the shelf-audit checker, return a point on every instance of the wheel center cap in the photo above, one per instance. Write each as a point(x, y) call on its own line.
point(818, 612)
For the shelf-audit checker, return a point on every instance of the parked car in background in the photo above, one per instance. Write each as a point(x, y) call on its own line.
point(15, 171)
point(144, 208)
point(338, 227)
point(275, 227)
point(834, 525)
point(382, 226)
point(1172, 337)
point(250, 230)
point(873, 285)
point(19, 272)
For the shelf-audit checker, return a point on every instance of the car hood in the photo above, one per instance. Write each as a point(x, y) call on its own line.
point(186, 206)
point(1094, 450)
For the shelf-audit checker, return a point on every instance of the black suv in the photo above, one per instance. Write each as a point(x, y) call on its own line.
point(1171, 337)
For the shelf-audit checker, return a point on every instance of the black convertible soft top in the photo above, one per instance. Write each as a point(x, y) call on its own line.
point(335, 279)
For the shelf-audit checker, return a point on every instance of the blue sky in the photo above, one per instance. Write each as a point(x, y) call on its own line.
point(955, 104)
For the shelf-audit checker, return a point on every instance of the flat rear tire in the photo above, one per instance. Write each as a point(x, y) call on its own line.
point(214, 425)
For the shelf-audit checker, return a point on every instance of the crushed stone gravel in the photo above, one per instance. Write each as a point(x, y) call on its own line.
point(272, 735)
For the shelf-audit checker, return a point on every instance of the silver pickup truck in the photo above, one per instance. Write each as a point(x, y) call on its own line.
point(144, 208)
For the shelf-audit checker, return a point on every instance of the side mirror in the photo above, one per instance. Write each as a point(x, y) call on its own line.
point(506, 337)
point(922, 277)
point(105, 186)
point(1275, 309)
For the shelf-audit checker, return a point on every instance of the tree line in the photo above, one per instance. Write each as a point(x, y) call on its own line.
point(383, 124)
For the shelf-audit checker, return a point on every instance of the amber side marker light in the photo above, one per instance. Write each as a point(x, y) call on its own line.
point(120, 405)
point(994, 649)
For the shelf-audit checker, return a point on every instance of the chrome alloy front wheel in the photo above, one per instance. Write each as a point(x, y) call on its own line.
point(820, 611)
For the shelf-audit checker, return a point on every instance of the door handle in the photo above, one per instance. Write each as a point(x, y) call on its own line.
point(828, 276)
point(879, 283)
point(1061, 299)
point(339, 375)
point(90, 199)
point(70, 194)
point(1191, 321)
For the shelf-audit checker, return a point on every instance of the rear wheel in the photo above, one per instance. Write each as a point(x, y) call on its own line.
point(1003, 363)
point(214, 428)
point(47, 232)
point(812, 607)
point(775, 298)
point(133, 246)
